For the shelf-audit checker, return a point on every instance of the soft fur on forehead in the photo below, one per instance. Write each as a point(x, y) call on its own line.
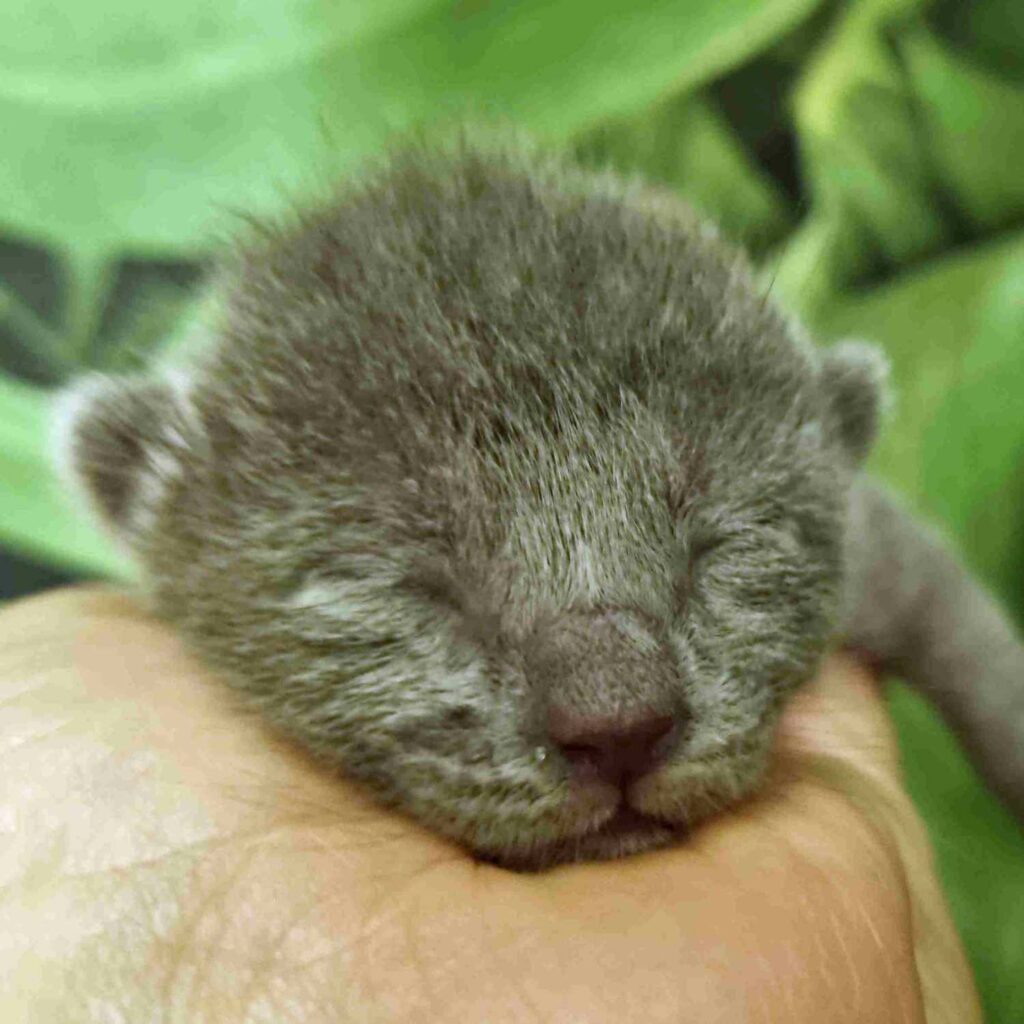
point(475, 297)
point(481, 288)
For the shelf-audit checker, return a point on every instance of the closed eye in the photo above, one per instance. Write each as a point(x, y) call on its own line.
point(702, 545)
point(698, 546)
point(436, 585)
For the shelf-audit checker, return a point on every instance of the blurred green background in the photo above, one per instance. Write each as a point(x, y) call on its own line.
point(869, 153)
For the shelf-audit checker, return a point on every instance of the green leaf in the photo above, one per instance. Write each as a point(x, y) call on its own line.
point(973, 450)
point(134, 130)
point(979, 850)
point(974, 130)
point(684, 143)
point(810, 268)
point(950, 328)
point(561, 66)
point(873, 201)
point(35, 517)
point(35, 338)
point(989, 32)
point(907, 149)
point(125, 126)
point(955, 446)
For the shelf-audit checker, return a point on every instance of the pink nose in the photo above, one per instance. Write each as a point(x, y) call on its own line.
point(612, 748)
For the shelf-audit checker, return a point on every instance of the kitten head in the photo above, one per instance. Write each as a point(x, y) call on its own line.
point(504, 489)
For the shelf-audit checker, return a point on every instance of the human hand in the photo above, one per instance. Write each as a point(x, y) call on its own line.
point(166, 857)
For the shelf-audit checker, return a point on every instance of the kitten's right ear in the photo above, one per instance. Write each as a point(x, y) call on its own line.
point(855, 375)
point(120, 440)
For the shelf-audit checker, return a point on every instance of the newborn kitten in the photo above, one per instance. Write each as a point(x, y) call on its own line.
point(506, 490)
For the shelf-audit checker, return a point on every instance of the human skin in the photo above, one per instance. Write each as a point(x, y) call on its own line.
point(165, 857)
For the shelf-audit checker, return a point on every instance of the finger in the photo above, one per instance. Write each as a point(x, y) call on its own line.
point(841, 713)
point(837, 747)
point(350, 871)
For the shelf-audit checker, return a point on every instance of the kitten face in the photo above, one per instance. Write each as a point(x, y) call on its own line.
point(503, 493)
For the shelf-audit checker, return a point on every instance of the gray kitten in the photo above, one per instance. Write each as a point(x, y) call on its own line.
point(504, 489)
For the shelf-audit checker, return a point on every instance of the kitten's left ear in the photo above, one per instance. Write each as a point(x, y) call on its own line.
point(118, 442)
point(855, 375)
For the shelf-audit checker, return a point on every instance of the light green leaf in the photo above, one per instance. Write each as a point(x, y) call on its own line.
point(809, 269)
point(133, 130)
point(124, 124)
point(124, 129)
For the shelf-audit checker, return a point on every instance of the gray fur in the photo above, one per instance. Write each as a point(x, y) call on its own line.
point(487, 433)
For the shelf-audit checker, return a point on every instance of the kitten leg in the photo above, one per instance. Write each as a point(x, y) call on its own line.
point(914, 608)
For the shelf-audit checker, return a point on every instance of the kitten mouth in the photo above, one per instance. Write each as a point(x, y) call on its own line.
point(628, 821)
point(625, 832)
